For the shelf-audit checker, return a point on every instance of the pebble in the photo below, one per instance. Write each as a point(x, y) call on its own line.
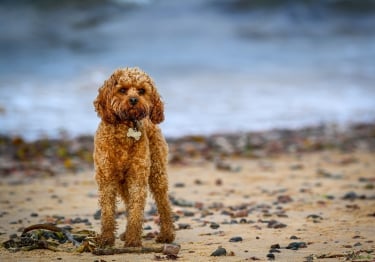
point(353, 196)
point(179, 185)
point(182, 202)
point(276, 224)
point(275, 246)
point(214, 225)
point(220, 251)
point(198, 182)
point(98, 214)
point(296, 245)
point(189, 213)
point(34, 214)
point(314, 218)
point(235, 239)
point(218, 182)
point(241, 213)
point(243, 221)
point(283, 199)
point(184, 226)
point(171, 249)
point(271, 256)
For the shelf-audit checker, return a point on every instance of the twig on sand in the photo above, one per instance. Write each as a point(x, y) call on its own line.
point(138, 250)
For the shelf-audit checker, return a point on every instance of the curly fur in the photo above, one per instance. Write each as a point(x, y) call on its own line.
point(125, 166)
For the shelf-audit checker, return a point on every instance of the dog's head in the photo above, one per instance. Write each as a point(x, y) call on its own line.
point(129, 95)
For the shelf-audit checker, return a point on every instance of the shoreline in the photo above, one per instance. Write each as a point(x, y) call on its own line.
point(48, 157)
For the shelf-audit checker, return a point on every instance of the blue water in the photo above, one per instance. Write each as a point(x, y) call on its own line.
point(219, 67)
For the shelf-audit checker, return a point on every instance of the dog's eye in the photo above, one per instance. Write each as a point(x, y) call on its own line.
point(122, 90)
point(141, 91)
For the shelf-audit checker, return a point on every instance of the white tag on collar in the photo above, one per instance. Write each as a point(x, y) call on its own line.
point(134, 134)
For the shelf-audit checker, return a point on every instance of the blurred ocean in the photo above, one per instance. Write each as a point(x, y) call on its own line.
point(220, 65)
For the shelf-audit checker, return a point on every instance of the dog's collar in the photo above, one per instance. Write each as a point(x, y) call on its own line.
point(134, 131)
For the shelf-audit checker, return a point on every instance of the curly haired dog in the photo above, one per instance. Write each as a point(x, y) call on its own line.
point(130, 153)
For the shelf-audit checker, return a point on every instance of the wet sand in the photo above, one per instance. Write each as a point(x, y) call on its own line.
point(324, 201)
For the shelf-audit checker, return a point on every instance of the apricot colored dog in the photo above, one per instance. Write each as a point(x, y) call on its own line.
point(130, 155)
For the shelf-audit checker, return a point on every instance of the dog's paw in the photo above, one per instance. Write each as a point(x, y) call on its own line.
point(105, 240)
point(165, 237)
point(132, 243)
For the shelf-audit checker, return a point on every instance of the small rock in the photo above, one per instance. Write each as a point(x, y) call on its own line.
point(296, 166)
point(218, 182)
point(171, 249)
point(34, 214)
point(179, 185)
point(198, 182)
point(294, 237)
point(189, 213)
point(314, 218)
point(241, 213)
point(276, 224)
point(184, 226)
point(283, 199)
point(214, 225)
point(350, 196)
point(275, 246)
point(98, 214)
point(296, 245)
point(235, 239)
point(243, 221)
point(271, 256)
point(220, 251)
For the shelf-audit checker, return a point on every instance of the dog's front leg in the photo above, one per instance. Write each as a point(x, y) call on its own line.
point(136, 204)
point(107, 203)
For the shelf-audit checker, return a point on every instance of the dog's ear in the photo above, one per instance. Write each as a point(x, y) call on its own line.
point(157, 107)
point(102, 101)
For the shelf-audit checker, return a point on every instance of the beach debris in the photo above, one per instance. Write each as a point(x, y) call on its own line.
point(220, 251)
point(139, 250)
point(48, 236)
point(363, 255)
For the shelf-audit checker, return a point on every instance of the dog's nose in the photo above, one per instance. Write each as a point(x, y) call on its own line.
point(133, 100)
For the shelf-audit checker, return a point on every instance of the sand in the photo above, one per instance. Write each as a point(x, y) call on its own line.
point(303, 194)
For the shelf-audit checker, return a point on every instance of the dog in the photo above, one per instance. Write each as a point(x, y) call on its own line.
point(130, 154)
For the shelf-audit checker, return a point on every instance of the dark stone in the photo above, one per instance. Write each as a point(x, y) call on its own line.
point(220, 251)
point(235, 239)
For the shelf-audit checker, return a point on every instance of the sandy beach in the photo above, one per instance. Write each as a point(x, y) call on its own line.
point(301, 206)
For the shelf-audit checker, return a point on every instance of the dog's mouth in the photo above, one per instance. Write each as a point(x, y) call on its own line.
point(133, 114)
